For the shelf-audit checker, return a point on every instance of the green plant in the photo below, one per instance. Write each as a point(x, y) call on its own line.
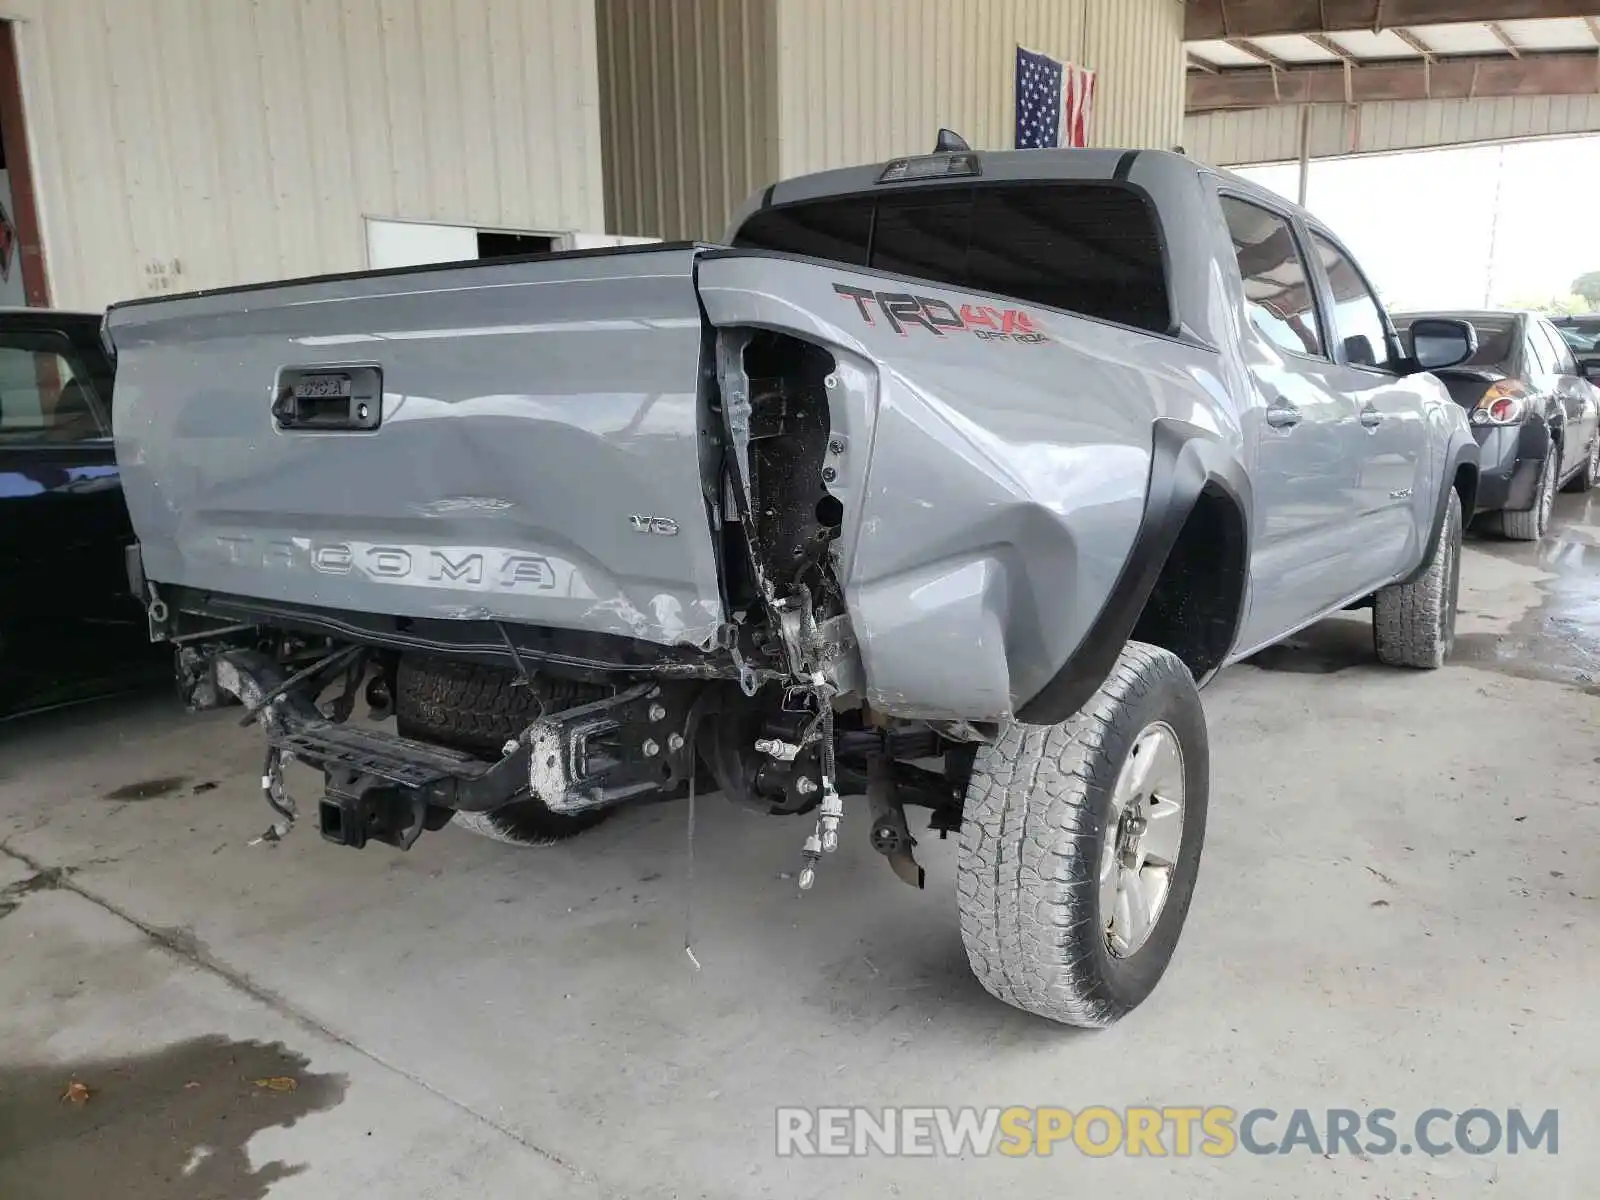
point(1552, 306)
point(1587, 285)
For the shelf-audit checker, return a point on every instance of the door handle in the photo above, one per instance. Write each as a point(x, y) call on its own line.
point(1371, 418)
point(1283, 416)
point(325, 399)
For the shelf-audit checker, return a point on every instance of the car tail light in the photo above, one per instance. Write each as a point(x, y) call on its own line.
point(1500, 405)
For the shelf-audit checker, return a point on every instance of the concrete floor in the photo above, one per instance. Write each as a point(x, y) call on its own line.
point(1399, 906)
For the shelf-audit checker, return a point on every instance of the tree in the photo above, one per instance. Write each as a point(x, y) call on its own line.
point(1588, 286)
point(1550, 306)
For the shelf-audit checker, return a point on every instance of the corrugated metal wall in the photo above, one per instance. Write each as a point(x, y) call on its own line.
point(1265, 135)
point(864, 80)
point(196, 143)
point(1137, 46)
point(688, 111)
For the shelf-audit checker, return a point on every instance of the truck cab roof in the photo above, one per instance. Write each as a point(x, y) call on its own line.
point(1170, 253)
point(1010, 166)
point(1120, 235)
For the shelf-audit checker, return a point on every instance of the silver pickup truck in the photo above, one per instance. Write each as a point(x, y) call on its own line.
point(945, 482)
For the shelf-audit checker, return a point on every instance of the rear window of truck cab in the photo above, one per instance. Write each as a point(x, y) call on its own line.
point(1089, 248)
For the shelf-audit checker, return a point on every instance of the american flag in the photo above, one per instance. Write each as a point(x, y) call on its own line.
point(1055, 101)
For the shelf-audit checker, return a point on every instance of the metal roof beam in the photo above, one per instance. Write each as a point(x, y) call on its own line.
point(1416, 43)
point(1558, 74)
point(1333, 48)
point(1256, 52)
point(1505, 39)
point(1211, 20)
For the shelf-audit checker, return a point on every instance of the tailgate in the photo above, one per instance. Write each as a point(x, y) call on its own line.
point(514, 441)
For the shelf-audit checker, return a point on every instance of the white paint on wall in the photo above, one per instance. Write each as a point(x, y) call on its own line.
point(417, 243)
point(596, 241)
point(200, 143)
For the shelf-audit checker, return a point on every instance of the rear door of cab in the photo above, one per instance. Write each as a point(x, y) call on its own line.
point(1389, 436)
point(1303, 473)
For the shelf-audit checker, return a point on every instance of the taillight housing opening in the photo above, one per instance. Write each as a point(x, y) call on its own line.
point(1502, 404)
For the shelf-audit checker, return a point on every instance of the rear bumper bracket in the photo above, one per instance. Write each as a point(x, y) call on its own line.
point(382, 787)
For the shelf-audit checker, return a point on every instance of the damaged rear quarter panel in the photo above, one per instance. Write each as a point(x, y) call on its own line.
point(999, 483)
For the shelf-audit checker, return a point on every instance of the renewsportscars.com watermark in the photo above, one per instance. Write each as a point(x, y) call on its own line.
point(1214, 1132)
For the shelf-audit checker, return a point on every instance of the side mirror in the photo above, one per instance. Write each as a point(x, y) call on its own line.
point(1437, 343)
point(1589, 368)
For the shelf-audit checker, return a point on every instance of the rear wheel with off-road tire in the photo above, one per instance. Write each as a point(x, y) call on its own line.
point(1080, 845)
point(1414, 624)
point(478, 708)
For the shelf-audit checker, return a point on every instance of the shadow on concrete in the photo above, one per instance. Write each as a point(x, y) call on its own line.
point(1329, 646)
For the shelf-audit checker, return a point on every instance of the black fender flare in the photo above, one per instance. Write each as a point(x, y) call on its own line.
point(1184, 461)
point(1462, 453)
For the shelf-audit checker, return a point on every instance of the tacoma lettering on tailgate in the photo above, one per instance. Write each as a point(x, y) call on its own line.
point(435, 566)
point(904, 311)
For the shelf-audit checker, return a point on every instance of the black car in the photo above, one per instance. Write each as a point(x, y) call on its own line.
point(1534, 413)
point(69, 627)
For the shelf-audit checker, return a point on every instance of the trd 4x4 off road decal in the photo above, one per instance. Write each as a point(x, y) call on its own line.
point(902, 310)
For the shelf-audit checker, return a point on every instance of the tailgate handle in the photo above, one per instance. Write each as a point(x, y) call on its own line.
point(329, 399)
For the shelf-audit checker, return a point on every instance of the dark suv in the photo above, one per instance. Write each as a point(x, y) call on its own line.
point(68, 627)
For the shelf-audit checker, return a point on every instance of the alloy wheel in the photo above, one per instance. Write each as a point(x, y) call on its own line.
point(1144, 833)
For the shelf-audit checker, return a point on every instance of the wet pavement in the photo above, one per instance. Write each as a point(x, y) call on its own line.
point(175, 1123)
point(1527, 611)
point(1559, 638)
point(135, 1064)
